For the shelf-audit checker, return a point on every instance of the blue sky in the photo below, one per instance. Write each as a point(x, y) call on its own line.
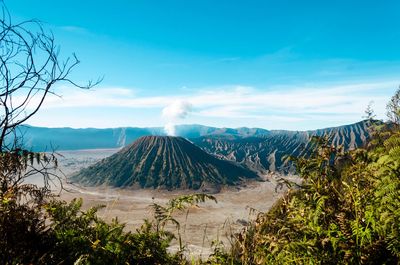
point(272, 64)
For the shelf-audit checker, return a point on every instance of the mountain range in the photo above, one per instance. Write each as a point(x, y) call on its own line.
point(45, 139)
point(256, 149)
point(268, 152)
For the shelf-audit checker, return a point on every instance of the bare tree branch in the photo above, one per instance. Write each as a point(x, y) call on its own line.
point(30, 67)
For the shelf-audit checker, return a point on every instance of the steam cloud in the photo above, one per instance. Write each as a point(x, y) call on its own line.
point(169, 129)
point(177, 110)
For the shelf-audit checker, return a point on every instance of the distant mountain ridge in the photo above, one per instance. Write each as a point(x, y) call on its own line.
point(163, 162)
point(267, 152)
point(44, 139)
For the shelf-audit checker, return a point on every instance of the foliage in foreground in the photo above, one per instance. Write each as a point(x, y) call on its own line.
point(346, 211)
point(84, 238)
point(64, 234)
point(58, 232)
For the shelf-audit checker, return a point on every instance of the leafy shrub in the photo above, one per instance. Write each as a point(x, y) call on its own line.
point(83, 238)
point(24, 235)
point(346, 210)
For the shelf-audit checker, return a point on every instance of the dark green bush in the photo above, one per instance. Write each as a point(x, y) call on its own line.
point(346, 210)
point(82, 236)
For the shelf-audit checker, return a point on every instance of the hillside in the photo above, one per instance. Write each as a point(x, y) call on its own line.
point(163, 162)
point(266, 152)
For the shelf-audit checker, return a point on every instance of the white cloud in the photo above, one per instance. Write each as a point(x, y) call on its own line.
point(179, 109)
point(300, 104)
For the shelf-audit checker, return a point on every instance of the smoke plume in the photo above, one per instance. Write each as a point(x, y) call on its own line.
point(177, 110)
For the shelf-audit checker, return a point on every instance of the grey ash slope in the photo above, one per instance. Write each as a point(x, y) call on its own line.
point(267, 152)
point(163, 162)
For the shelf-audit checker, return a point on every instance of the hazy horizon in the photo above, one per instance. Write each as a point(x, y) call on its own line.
point(189, 124)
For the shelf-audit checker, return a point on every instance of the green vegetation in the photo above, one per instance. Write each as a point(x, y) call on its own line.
point(57, 232)
point(37, 228)
point(73, 236)
point(346, 210)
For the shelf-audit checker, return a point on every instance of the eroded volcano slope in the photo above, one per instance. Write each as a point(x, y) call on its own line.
point(163, 162)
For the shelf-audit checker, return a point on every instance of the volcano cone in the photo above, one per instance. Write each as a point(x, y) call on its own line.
point(163, 162)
